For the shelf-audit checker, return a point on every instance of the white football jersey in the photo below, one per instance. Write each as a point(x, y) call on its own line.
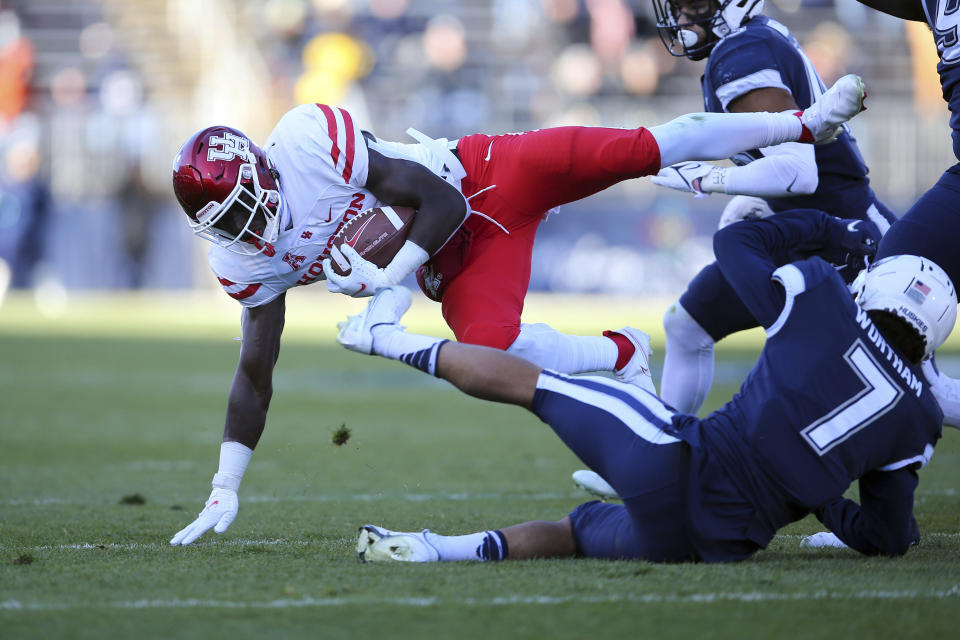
point(321, 156)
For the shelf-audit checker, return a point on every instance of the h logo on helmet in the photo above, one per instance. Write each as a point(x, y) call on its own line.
point(228, 147)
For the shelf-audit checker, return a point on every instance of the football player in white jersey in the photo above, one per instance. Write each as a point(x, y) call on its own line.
point(271, 215)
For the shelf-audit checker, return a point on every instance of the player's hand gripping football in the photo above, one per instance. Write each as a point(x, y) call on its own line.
point(218, 512)
point(686, 176)
point(363, 279)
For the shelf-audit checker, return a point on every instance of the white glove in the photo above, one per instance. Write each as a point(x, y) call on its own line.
point(363, 280)
point(822, 539)
point(946, 390)
point(218, 512)
point(698, 178)
point(744, 208)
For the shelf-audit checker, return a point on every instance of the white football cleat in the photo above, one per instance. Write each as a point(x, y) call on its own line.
point(593, 483)
point(386, 307)
point(375, 544)
point(946, 390)
point(637, 369)
point(838, 104)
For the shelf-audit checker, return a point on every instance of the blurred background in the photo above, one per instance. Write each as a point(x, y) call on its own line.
point(96, 96)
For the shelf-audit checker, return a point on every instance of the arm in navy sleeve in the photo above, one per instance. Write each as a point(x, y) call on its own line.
point(745, 253)
point(883, 522)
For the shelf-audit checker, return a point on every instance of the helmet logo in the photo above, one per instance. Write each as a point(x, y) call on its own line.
point(228, 147)
point(918, 292)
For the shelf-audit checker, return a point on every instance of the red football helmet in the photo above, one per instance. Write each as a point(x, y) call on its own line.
point(223, 181)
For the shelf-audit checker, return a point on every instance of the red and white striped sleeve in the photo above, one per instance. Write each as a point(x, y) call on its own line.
point(249, 295)
point(344, 142)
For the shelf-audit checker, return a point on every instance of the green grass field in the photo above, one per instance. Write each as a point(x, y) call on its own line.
point(124, 397)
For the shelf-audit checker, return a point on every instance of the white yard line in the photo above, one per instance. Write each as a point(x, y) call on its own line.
point(140, 546)
point(344, 497)
point(284, 542)
point(411, 496)
point(548, 600)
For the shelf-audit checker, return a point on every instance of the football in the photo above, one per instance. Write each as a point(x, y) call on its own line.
point(377, 234)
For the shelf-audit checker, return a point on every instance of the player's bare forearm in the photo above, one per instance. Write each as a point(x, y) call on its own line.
point(252, 386)
point(488, 374)
point(906, 9)
point(441, 209)
point(246, 412)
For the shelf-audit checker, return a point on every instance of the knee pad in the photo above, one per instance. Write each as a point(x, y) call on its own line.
point(681, 327)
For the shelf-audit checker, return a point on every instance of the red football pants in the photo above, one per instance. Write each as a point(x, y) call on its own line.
point(485, 269)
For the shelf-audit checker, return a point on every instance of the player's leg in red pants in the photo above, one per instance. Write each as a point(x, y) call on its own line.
point(484, 302)
point(532, 172)
point(539, 170)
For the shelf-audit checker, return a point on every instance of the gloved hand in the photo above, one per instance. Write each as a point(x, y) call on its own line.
point(851, 243)
point(822, 539)
point(363, 280)
point(218, 512)
point(686, 176)
point(744, 208)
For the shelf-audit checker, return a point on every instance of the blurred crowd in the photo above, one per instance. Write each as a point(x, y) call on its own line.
point(96, 95)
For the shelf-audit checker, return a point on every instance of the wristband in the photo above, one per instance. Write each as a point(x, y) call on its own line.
point(233, 462)
point(406, 261)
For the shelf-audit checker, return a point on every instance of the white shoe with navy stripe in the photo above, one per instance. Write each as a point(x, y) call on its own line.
point(376, 544)
point(386, 307)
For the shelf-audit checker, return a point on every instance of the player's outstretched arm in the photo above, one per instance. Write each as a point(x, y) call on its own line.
point(906, 9)
point(252, 389)
point(441, 209)
point(482, 372)
point(746, 252)
point(246, 416)
point(883, 522)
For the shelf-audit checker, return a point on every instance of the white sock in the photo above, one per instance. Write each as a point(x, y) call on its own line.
point(546, 347)
point(687, 363)
point(391, 341)
point(717, 136)
point(481, 546)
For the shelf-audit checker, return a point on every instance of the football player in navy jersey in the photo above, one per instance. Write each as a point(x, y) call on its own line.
point(931, 226)
point(753, 64)
point(836, 396)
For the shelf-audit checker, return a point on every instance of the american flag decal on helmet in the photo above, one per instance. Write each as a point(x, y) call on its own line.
point(918, 291)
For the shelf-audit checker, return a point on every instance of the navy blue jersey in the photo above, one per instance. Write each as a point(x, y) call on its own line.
point(944, 19)
point(829, 401)
point(764, 54)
